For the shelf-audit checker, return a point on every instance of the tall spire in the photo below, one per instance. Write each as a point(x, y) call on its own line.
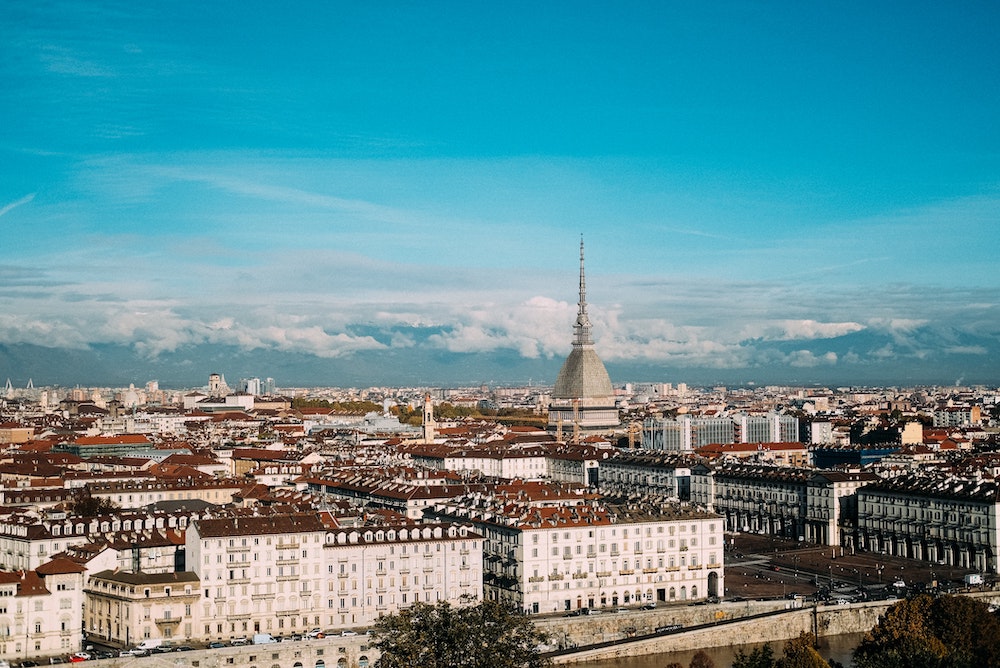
point(583, 328)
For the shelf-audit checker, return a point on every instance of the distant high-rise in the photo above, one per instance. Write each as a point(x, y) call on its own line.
point(582, 399)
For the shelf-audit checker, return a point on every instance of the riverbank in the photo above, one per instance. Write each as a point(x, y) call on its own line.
point(838, 648)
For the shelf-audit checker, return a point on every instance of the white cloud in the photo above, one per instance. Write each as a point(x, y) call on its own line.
point(16, 203)
point(805, 358)
point(799, 330)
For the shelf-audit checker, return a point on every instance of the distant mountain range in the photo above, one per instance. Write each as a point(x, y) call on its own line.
point(860, 358)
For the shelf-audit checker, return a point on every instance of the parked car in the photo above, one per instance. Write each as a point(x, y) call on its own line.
point(216, 644)
point(316, 633)
point(347, 633)
point(77, 657)
point(649, 606)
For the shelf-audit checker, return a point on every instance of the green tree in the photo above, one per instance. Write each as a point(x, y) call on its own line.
point(801, 653)
point(925, 632)
point(758, 657)
point(488, 635)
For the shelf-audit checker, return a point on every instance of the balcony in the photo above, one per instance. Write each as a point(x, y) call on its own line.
point(603, 574)
point(166, 621)
point(536, 578)
point(650, 570)
point(626, 571)
point(557, 576)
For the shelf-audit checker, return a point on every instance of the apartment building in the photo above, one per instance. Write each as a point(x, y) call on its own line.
point(377, 571)
point(124, 608)
point(817, 506)
point(958, 416)
point(648, 473)
point(687, 432)
point(40, 610)
point(283, 574)
point(545, 559)
point(933, 517)
point(146, 539)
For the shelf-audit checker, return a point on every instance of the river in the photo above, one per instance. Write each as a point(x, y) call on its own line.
point(838, 648)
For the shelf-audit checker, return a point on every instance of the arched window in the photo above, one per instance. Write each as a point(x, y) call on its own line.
point(363, 661)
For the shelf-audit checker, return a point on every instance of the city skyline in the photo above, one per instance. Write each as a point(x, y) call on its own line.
point(334, 194)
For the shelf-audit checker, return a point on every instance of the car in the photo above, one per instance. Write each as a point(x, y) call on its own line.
point(183, 648)
point(345, 633)
point(77, 657)
point(649, 606)
point(296, 636)
point(621, 609)
point(316, 633)
point(236, 642)
point(216, 644)
point(29, 664)
point(135, 651)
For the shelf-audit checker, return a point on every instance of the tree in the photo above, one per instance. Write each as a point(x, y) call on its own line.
point(701, 660)
point(488, 635)
point(84, 504)
point(759, 657)
point(925, 632)
point(801, 653)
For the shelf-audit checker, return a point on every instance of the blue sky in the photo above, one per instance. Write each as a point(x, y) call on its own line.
point(781, 191)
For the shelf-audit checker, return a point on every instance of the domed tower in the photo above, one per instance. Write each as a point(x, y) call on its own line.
point(582, 398)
